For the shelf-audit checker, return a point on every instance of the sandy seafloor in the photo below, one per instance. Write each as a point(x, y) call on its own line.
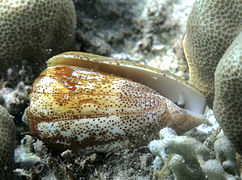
point(144, 31)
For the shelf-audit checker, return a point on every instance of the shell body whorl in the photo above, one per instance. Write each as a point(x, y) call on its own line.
point(81, 108)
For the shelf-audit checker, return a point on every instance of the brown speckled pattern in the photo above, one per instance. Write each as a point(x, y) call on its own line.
point(211, 27)
point(228, 93)
point(165, 83)
point(76, 108)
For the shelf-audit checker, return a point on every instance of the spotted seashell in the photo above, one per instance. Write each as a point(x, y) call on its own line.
point(93, 103)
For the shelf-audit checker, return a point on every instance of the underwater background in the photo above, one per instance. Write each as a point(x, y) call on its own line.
point(148, 32)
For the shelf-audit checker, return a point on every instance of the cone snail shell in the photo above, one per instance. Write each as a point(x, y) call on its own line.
point(94, 103)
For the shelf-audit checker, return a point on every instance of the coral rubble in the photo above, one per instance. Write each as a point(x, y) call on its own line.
point(190, 159)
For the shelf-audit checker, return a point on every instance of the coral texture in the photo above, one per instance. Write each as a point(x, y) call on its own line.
point(35, 29)
point(190, 159)
point(211, 28)
point(7, 144)
point(228, 91)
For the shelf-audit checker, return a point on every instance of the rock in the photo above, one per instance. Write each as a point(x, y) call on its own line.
point(7, 144)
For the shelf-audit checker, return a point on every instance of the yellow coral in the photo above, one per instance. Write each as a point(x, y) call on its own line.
point(228, 91)
point(211, 28)
point(35, 29)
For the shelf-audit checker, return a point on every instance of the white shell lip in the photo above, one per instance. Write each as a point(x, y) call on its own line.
point(167, 84)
